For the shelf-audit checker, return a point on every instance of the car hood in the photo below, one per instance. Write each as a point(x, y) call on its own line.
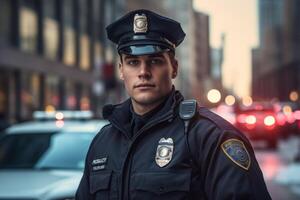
point(42, 184)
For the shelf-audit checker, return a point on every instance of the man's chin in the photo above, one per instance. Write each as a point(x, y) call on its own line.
point(147, 100)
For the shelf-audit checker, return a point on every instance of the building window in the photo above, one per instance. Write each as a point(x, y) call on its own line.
point(5, 16)
point(35, 90)
point(69, 33)
point(29, 88)
point(3, 93)
point(69, 47)
point(98, 48)
point(84, 37)
point(50, 30)
point(85, 52)
point(51, 38)
point(51, 92)
point(28, 29)
point(85, 103)
point(70, 95)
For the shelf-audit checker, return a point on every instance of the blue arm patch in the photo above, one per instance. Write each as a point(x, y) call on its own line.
point(236, 151)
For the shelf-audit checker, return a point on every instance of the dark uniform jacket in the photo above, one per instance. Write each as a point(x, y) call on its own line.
point(213, 161)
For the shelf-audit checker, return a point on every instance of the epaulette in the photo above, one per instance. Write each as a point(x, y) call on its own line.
point(214, 118)
point(219, 122)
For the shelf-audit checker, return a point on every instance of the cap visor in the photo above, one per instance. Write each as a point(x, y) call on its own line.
point(143, 50)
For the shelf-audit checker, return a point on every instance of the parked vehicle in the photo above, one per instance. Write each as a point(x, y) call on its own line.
point(44, 159)
point(258, 122)
point(288, 117)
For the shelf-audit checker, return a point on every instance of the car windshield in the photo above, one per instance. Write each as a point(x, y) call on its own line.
point(44, 151)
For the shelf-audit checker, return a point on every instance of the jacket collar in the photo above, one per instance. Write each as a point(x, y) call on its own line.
point(120, 115)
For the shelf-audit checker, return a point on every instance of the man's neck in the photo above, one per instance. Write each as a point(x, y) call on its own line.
point(142, 109)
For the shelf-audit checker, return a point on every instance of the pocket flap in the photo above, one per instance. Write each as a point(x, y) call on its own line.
point(100, 181)
point(162, 182)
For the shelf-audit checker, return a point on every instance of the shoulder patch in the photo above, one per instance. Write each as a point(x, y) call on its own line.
point(236, 151)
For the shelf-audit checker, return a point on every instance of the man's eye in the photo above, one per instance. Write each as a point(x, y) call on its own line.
point(156, 61)
point(133, 62)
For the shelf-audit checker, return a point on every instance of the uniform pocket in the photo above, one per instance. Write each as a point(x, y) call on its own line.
point(103, 185)
point(161, 185)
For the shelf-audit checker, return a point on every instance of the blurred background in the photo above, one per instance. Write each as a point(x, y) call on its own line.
point(239, 58)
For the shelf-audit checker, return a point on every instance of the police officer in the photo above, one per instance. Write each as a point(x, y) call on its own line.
point(156, 146)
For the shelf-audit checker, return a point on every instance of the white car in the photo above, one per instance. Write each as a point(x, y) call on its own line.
point(44, 159)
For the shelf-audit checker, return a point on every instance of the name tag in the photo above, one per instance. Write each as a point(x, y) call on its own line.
point(99, 161)
point(98, 167)
point(99, 164)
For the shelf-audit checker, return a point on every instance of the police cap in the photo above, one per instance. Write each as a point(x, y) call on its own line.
point(143, 32)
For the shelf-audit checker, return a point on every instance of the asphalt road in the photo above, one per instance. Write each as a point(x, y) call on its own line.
point(273, 162)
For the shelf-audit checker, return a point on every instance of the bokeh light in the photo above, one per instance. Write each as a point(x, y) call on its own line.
point(214, 96)
point(294, 96)
point(230, 100)
point(247, 101)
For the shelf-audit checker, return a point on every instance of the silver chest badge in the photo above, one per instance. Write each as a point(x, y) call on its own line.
point(164, 151)
point(140, 24)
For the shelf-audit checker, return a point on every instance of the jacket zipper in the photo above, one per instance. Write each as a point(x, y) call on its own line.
point(125, 180)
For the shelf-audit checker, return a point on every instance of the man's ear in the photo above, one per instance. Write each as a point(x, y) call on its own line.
point(121, 71)
point(175, 68)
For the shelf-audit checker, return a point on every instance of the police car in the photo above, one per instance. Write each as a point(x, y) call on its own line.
point(258, 122)
point(44, 159)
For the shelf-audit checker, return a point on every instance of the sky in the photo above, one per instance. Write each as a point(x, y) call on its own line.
point(238, 20)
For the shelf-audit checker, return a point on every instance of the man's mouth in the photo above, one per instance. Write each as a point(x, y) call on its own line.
point(144, 85)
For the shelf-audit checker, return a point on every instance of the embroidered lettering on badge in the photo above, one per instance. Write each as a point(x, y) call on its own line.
point(164, 152)
point(99, 164)
point(99, 161)
point(98, 167)
point(236, 151)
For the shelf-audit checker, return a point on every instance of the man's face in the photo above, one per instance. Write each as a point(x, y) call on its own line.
point(148, 78)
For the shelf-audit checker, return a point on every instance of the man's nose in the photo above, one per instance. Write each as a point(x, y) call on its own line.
point(145, 71)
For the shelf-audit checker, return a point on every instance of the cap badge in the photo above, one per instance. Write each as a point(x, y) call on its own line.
point(140, 24)
point(164, 152)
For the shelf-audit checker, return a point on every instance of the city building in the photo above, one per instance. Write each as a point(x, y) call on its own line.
point(201, 75)
point(52, 55)
point(276, 63)
point(183, 12)
point(270, 15)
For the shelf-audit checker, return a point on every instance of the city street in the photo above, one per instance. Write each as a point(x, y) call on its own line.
point(70, 67)
point(280, 171)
